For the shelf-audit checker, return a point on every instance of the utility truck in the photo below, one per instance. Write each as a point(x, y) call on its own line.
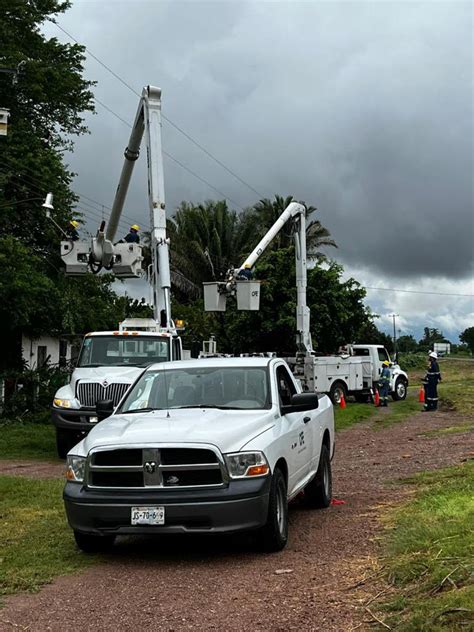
point(212, 445)
point(110, 361)
point(355, 372)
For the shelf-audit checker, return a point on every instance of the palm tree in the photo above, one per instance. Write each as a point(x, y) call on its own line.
point(267, 212)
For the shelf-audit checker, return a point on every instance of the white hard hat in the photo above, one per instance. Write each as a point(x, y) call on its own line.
point(433, 354)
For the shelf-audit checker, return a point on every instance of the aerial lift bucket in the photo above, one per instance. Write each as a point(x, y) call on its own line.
point(248, 295)
point(127, 260)
point(214, 301)
point(75, 256)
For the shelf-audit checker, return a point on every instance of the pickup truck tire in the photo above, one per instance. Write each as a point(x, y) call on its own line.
point(400, 391)
point(93, 543)
point(274, 535)
point(337, 391)
point(318, 492)
point(65, 440)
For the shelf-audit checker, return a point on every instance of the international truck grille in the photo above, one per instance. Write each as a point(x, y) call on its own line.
point(89, 393)
point(157, 467)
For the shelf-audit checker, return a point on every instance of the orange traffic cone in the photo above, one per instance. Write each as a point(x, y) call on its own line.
point(421, 398)
point(342, 401)
point(376, 398)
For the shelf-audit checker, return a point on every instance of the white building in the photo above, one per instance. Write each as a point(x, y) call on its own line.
point(46, 349)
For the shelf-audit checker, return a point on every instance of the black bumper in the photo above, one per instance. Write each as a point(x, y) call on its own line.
point(241, 506)
point(73, 419)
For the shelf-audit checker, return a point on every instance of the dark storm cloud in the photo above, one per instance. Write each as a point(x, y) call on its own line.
point(363, 109)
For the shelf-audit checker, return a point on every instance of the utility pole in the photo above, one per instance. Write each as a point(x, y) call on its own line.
point(393, 316)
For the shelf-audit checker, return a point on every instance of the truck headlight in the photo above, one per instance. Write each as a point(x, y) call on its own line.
point(76, 466)
point(245, 464)
point(62, 403)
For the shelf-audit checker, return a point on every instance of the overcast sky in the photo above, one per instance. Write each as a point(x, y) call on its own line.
point(363, 109)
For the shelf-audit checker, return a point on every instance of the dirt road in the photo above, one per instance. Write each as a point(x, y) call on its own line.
point(177, 583)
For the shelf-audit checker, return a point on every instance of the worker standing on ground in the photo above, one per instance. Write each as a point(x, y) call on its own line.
point(71, 230)
point(384, 383)
point(431, 379)
point(133, 237)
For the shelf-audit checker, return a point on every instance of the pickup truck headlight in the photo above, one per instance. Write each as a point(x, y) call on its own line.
point(246, 464)
point(75, 468)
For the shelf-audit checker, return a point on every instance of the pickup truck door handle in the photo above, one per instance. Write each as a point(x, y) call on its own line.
point(306, 419)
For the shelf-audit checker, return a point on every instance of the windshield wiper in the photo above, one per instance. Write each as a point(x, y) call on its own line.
point(207, 406)
point(138, 410)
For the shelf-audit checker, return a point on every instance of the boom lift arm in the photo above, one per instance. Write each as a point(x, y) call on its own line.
point(297, 213)
point(124, 259)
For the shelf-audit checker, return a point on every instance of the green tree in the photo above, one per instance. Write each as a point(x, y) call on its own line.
point(338, 314)
point(265, 213)
point(467, 336)
point(407, 344)
point(45, 101)
point(430, 336)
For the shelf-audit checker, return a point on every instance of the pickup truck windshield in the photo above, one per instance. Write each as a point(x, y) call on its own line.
point(223, 387)
point(123, 350)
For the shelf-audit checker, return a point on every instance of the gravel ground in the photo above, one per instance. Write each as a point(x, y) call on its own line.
point(315, 584)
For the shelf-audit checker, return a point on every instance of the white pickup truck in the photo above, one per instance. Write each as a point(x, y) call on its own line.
point(203, 446)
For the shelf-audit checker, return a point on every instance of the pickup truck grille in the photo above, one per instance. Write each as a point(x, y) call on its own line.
point(89, 393)
point(157, 467)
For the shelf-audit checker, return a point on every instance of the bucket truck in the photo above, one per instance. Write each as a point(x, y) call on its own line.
point(353, 372)
point(110, 361)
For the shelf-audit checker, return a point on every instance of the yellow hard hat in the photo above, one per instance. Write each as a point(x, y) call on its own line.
point(74, 223)
point(247, 266)
point(135, 227)
point(386, 363)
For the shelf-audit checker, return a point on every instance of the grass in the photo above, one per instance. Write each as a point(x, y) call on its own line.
point(398, 411)
point(352, 414)
point(27, 441)
point(36, 543)
point(456, 429)
point(457, 388)
point(429, 560)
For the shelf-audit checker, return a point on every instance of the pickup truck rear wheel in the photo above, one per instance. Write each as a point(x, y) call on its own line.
point(93, 543)
point(337, 391)
point(318, 492)
point(274, 535)
point(400, 391)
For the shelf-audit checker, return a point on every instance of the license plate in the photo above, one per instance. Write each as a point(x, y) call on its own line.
point(148, 515)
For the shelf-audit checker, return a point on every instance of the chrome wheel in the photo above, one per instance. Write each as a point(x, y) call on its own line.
point(401, 389)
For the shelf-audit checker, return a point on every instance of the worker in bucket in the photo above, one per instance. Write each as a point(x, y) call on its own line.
point(133, 237)
point(431, 379)
point(384, 383)
point(245, 273)
point(71, 230)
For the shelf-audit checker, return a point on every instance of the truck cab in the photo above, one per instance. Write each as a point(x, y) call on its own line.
point(109, 362)
point(378, 355)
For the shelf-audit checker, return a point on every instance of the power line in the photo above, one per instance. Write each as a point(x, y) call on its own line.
point(183, 166)
point(167, 119)
point(388, 289)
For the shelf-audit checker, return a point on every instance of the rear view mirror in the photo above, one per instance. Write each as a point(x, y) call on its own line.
point(301, 402)
point(104, 408)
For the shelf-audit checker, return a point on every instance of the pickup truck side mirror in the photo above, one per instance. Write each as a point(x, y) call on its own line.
point(104, 408)
point(301, 402)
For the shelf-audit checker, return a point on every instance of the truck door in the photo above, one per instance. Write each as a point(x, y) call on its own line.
point(382, 355)
point(295, 432)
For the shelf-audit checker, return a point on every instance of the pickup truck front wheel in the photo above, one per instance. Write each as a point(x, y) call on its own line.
point(318, 492)
point(93, 543)
point(274, 535)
